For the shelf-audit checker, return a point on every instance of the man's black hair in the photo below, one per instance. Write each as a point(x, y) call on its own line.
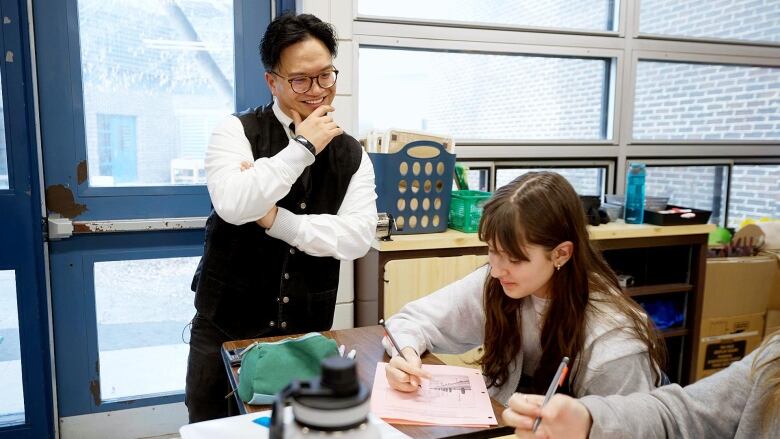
point(288, 29)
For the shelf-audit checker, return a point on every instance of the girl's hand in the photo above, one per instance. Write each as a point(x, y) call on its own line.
point(562, 417)
point(405, 375)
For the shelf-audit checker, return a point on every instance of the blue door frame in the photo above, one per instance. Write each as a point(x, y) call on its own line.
point(20, 226)
point(64, 150)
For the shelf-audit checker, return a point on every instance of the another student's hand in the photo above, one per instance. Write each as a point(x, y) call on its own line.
point(318, 128)
point(405, 375)
point(268, 220)
point(562, 417)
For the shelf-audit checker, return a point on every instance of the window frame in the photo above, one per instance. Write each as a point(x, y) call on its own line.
point(694, 162)
point(612, 58)
point(62, 114)
point(607, 165)
point(76, 347)
point(133, 222)
point(628, 46)
point(702, 59)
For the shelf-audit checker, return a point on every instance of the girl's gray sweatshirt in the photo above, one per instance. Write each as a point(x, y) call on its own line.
point(727, 404)
point(452, 321)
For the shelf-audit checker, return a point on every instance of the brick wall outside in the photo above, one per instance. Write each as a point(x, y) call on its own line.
point(752, 20)
point(582, 14)
point(755, 193)
point(585, 181)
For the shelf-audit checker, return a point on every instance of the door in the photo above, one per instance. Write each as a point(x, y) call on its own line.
point(130, 91)
point(26, 404)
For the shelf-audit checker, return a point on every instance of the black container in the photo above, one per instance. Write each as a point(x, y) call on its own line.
point(676, 219)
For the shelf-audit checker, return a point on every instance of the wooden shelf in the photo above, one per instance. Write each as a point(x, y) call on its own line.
point(674, 332)
point(657, 289)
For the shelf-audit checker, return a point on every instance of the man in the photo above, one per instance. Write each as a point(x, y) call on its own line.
point(292, 195)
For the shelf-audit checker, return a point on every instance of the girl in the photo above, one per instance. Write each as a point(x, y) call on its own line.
point(741, 401)
point(544, 294)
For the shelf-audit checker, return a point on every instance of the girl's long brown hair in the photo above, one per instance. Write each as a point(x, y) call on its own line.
point(542, 208)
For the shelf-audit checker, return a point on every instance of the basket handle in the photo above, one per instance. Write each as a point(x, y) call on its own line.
point(423, 149)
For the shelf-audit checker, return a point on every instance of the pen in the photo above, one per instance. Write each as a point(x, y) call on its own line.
point(557, 381)
point(392, 340)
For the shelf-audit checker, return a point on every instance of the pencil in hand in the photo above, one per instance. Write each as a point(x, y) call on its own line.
point(411, 367)
point(392, 339)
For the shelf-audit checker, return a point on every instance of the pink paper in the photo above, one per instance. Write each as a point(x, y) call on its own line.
point(454, 396)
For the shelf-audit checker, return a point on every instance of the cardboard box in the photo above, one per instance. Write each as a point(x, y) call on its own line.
point(772, 322)
point(738, 286)
point(774, 295)
point(725, 340)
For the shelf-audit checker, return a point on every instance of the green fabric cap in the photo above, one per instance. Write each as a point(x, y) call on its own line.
point(268, 367)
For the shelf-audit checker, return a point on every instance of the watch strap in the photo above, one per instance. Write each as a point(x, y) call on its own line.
point(305, 142)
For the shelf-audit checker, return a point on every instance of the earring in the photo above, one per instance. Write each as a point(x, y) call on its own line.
point(557, 267)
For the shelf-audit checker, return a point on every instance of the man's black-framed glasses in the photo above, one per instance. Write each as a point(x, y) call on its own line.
point(302, 84)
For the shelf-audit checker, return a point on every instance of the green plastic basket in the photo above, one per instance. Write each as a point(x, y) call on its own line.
point(466, 209)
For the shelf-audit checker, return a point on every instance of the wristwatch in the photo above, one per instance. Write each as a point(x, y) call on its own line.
point(305, 142)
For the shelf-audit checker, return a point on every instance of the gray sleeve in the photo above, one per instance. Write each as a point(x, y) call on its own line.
point(709, 408)
point(622, 376)
point(447, 321)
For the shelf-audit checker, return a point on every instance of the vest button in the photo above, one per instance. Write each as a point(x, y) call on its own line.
point(285, 299)
point(303, 205)
point(292, 251)
point(286, 275)
point(283, 325)
point(272, 323)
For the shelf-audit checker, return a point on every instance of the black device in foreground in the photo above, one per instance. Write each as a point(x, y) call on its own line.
point(336, 401)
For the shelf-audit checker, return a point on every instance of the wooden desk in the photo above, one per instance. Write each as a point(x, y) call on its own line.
point(367, 342)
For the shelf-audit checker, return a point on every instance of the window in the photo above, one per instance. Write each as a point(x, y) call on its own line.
point(755, 193)
point(586, 181)
point(143, 307)
point(573, 14)
point(706, 101)
point(747, 20)
point(149, 61)
point(3, 149)
point(483, 96)
point(700, 187)
point(12, 396)
point(478, 179)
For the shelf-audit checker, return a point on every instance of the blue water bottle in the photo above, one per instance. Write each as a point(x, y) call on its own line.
point(635, 194)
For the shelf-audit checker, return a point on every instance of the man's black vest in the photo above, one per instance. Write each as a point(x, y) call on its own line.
point(250, 284)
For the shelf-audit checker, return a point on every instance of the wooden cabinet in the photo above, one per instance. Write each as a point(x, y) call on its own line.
point(665, 262)
point(410, 279)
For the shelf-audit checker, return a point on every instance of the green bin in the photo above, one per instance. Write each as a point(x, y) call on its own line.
point(466, 209)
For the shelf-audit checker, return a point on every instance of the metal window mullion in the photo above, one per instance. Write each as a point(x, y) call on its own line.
point(489, 47)
point(747, 60)
point(625, 121)
point(480, 152)
point(701, 150)
point(695, 48)
point(684, 161)
point(472, 35)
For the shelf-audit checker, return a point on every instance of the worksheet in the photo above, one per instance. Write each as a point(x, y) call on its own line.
point(452, 396)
